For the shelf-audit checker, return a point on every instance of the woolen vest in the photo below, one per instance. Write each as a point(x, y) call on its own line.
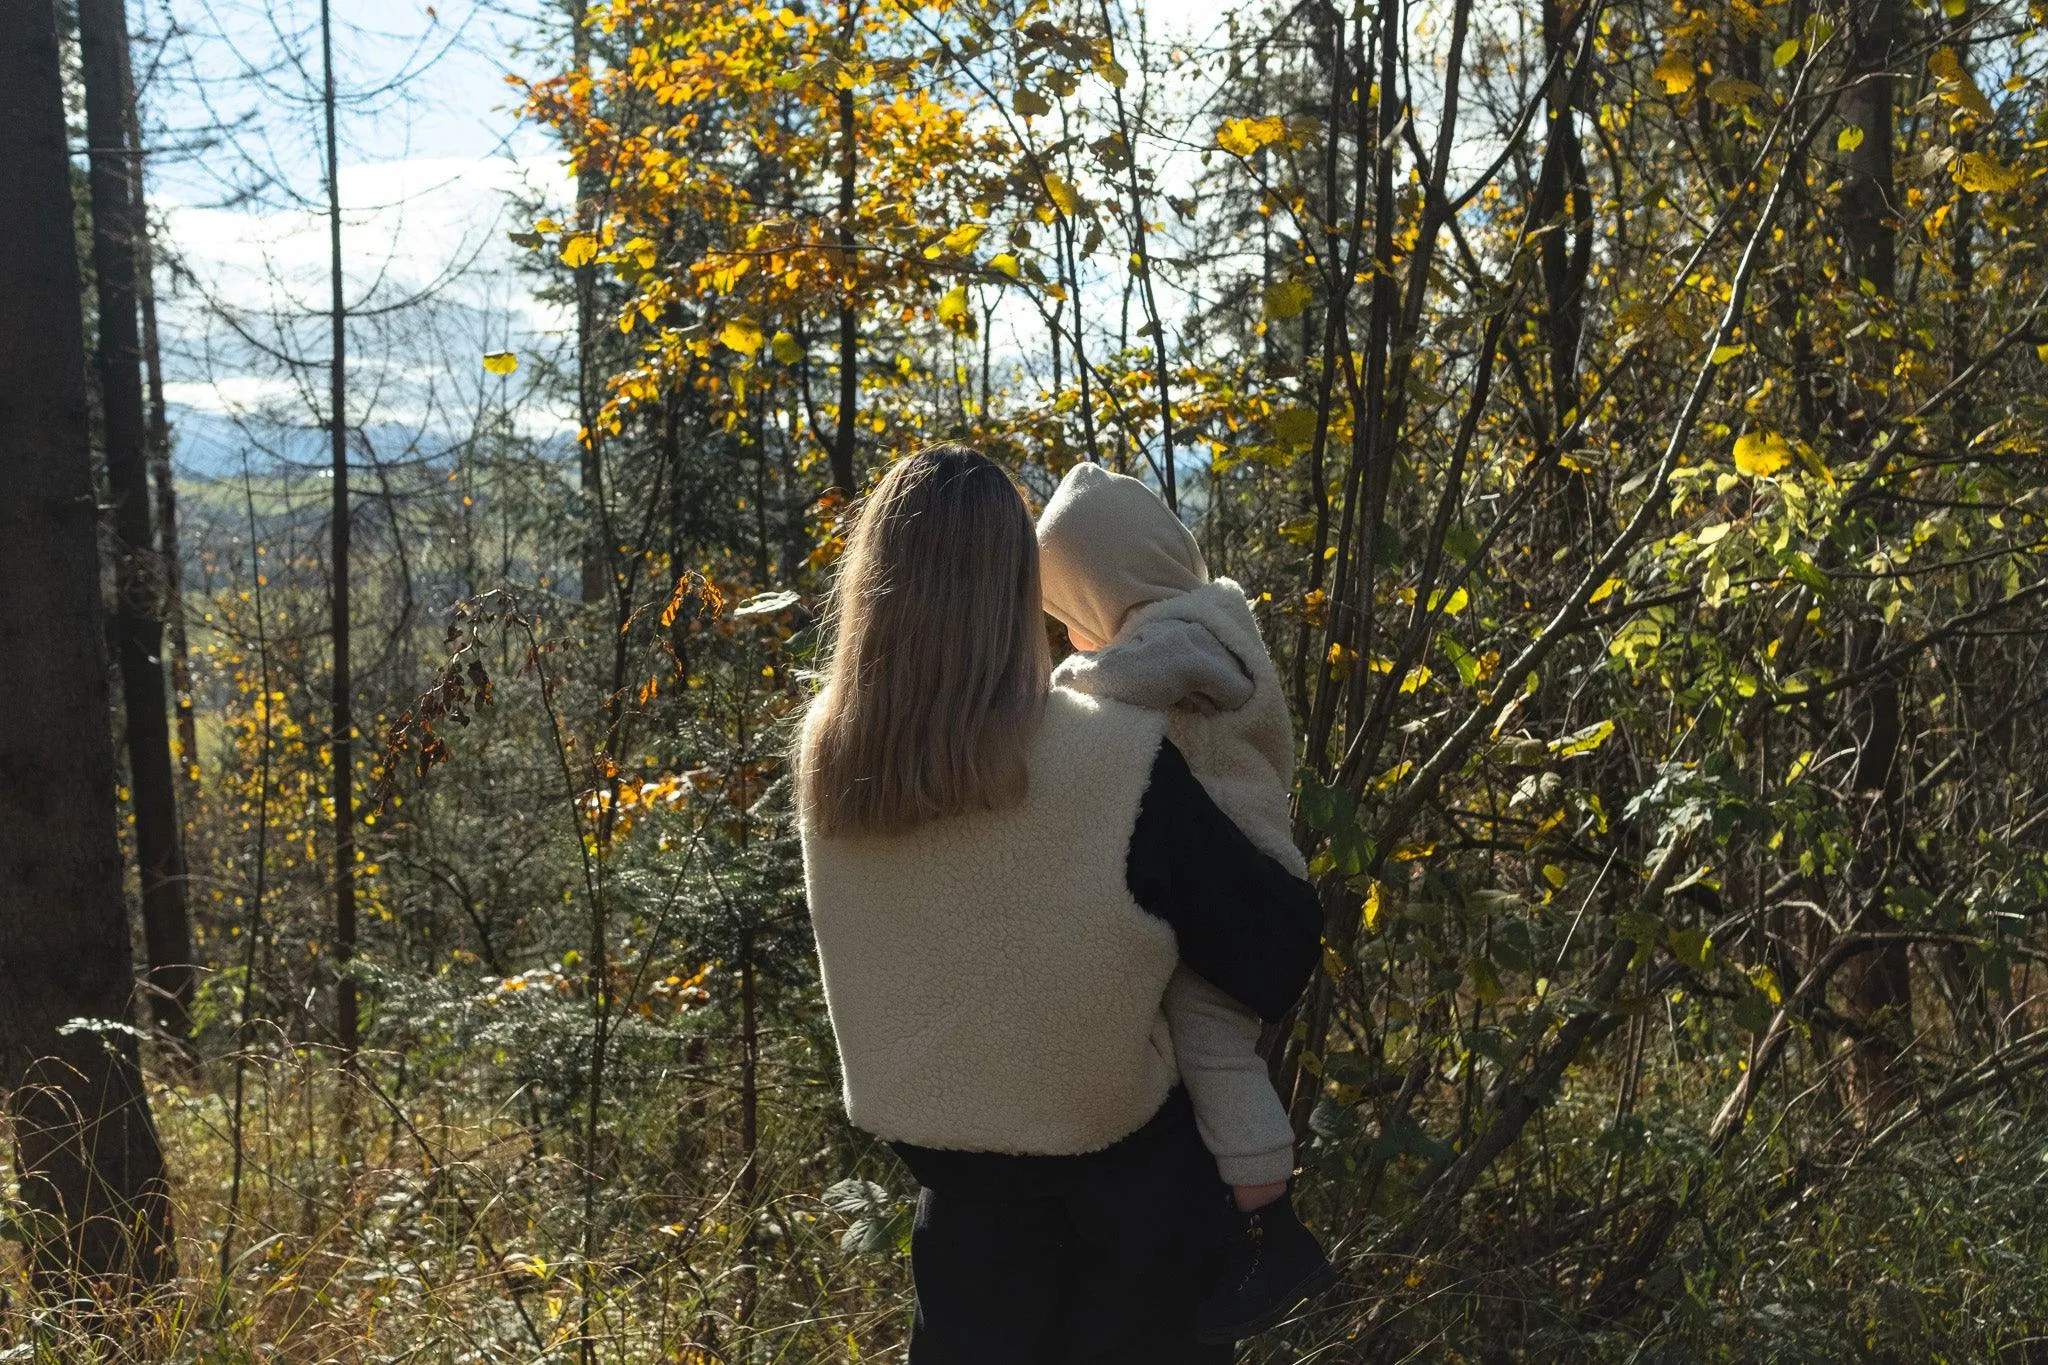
point(992, 983)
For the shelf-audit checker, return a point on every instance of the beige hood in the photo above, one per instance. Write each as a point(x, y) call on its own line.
point(1108, 546)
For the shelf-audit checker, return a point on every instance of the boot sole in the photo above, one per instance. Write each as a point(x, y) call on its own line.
point(1311, 1285)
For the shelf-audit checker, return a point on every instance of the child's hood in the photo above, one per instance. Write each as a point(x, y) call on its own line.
point(1108, 546)
point(1162, 663)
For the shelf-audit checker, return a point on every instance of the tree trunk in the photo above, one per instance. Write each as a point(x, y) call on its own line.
point(341, 743)
point(843, 475)
point(1879, 984)
point(86, 1153)
point(139, 573)
point(168, 545)
point(597, 539)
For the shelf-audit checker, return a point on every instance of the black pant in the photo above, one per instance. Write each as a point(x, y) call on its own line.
point(1078, 1260)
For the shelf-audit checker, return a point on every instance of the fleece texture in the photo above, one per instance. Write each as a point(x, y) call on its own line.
point(1167, 655)
point(992, 983)
point(1198, 656)
point(1126, 578)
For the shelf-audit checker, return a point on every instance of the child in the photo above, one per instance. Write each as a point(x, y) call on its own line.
point(1127, 580)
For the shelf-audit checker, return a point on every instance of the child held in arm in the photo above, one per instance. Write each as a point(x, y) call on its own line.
point(1152, 629)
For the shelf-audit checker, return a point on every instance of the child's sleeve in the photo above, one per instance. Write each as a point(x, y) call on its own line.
point(1243, 921)
point(1238, 1113)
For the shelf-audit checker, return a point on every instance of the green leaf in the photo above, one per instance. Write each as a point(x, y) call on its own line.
point(1637, 641)
point(1325, 808)
point(1802, 568)
point(1785, 53)
point(1753, 1012)
point(1692, 946)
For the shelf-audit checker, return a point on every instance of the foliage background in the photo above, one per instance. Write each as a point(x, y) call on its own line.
point(1629, 419)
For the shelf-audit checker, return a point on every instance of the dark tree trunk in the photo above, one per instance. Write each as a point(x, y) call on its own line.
point(168, 545)
point(843, 473)
point(341, 740)
point(1868, 205)
point(139, 573)
point(85, 1150)
point(1879, 984)
point(1563, 192)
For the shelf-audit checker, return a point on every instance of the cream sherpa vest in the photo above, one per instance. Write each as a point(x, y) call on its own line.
point(992, 984)
point(1243, 757)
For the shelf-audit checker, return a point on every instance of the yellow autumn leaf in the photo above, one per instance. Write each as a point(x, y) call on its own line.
point(963, 238)
point(953, 306)
point(579, 250)
point(1730, 91)
point(1605, 590)
point(501, 362)
point(1062, 194)
point(1287, 298)
point(1245, 136)
point(785, 348)
point(1301, 530)
point(1295, 425)
point(1956, 85)
point(1761, 454)
point(1981, 173)
point(1374, 904)
point(1849, 139)
point(1785, 52)
point(1676, 73)
point(1006, 263)
point(743, 335)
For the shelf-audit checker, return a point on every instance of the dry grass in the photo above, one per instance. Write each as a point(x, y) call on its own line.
point(442, 1229)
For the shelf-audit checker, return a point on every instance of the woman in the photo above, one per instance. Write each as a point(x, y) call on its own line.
point(1003, 880)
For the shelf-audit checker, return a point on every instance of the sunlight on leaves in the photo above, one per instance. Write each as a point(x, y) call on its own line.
point(1761, 454)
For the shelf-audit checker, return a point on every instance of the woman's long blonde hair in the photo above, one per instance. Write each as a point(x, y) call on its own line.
point(936, 663)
